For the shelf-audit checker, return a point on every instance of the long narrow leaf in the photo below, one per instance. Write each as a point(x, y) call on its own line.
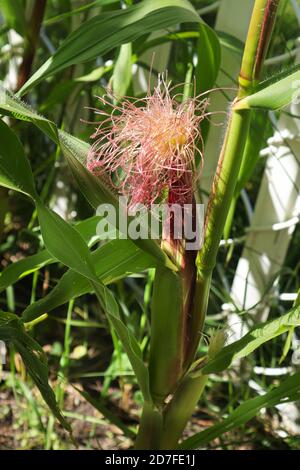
point(106, 31)
point(256, 337)
point(96, 190)
point(15, 171)
point(280, 93)
point(23, 267)
point(34, 358)
point(66, 244)
point(116, 259)
point(289, 390)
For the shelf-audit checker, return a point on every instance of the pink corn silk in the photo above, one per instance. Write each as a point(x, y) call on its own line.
point(147, 147)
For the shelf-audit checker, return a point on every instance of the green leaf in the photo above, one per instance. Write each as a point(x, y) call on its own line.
point(76, 11)
point(289, 390)
point(112, 261)
point(88, 230)
point(14, 107)
point(257, 336)
point(94, 75)
point(15, 171)
point(16, 271)
point(231, 43)
point(122, 71)
point(260, 129)
point(64, 242)
point(280, 93)
point(14, 14)
point(106, 31)
point(96, 190)
point(128, 341)
point(34, 358)
point(209, 59)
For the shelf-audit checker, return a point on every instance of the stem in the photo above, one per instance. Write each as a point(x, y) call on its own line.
point(150, 430)
point(197, 316)
point(31, 40)
point(30, 324)
point(179, 410)
point(188, 393)
point(257, 43)
point(173, 298)
point(165, 361)
point(258, 38)
point(223, 189)
point(166, 344)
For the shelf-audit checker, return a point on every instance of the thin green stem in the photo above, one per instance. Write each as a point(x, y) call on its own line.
point(230, 216)
point(30, 324)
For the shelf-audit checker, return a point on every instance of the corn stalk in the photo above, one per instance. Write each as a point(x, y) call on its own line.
point(226, 22)
point(170, 362)
point(274, 219)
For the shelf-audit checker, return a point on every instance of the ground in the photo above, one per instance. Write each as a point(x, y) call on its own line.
point(22, 428)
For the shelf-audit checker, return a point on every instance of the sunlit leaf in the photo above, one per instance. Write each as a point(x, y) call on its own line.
point(275, 93)
point(64, 242)
point(106, 31)
point(14, 14)
point(209, 58)
point(257, 336)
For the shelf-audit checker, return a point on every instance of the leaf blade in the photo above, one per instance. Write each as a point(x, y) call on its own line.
point(34, 358)
point(274, 96)
point(15, 171)
point(109, 30)
point(289, 390)
point(251, 341)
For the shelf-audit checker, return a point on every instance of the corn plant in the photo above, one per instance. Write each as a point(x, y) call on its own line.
point(148, 150)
